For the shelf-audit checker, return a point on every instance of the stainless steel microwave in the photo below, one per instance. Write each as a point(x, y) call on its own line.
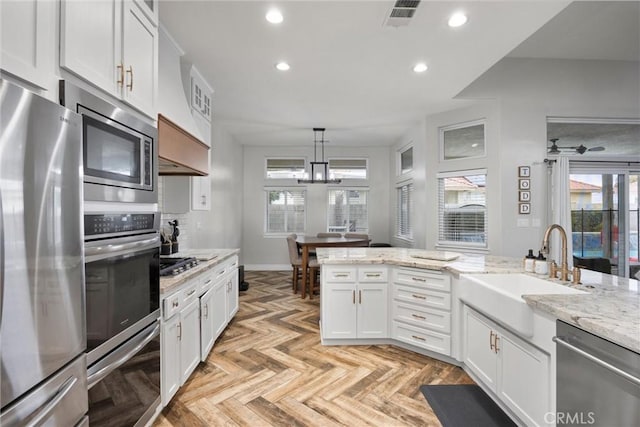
point(120, 151)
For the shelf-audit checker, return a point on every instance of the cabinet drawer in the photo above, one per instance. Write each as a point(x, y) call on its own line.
point(205, 284)
point(340, 274)
point(430, 340)
point(190, 292)
point(429, 280)
point(372, 274)
point(171, 304)
point(431, 318)
point(422, 297)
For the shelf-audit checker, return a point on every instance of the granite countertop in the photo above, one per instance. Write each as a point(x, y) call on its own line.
point(208, 258)
point(611, 310)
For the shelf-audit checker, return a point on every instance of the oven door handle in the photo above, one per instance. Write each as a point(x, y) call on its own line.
point(596, 360)
point(94, 251)
point(101, 369)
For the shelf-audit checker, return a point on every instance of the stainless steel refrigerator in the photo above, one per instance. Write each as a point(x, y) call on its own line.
point(42, 332)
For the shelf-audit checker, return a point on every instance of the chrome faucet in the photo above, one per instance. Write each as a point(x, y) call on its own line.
point(564, 267)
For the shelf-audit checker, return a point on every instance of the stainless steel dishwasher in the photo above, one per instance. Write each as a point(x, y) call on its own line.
point(598, 382)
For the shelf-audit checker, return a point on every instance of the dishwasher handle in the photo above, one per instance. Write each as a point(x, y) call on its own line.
point(596, 360)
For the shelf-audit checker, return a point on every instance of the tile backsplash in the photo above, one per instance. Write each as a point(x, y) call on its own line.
point(165, 217)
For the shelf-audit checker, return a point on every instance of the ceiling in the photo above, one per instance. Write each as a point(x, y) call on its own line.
point(350, 72)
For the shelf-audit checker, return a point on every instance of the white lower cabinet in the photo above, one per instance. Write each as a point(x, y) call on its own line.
point(207, 337)
point(354, 308)
point(189, 339)
point(516, 371)
point(170, 358)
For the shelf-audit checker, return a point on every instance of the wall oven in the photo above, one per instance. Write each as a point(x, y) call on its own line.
point(120, 150)
point(122, 251)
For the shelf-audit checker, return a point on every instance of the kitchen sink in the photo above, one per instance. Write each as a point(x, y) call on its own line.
point(500, 296)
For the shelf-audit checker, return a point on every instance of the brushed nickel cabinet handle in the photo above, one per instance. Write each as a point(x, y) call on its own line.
point(497, 349)
point(179, 331)
point(418, 338)
point(417, 279)
point(373, 275)
point(491, 344)
point(354, 296)
point(418, 316)
point(418, 296)
point(191, 292)
point(340, 275)
point(130, 72)
point(360, 296)
point(120, 67)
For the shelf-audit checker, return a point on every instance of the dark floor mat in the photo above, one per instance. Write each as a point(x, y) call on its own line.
point(464, 405)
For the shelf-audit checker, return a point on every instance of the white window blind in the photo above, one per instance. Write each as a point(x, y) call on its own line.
point(348, 211)
point(462, 208)
point(285, 168)
point(285, 211)
point(404, 227)
point(348, 168)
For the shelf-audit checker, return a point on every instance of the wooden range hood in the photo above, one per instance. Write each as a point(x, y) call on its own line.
point(179, 152)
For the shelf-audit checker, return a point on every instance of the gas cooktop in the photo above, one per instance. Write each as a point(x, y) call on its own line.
point(175, 266)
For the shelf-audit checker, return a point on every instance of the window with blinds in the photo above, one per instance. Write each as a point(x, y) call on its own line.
point(285, 168)
point(404, 228)
point(285, 211)
point(462, 208)
point(406, 161)
point(348, 168)
point(348, 211)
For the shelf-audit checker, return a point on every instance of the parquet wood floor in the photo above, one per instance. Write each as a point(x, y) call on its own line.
point(269, 369)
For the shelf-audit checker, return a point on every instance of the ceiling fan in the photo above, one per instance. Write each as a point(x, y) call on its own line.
point(580, 149)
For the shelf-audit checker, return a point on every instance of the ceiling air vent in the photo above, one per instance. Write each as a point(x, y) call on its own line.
point(401, 13)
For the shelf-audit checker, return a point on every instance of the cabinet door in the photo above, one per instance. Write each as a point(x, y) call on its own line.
point(170, 357)
point(140, 58)
point(524, 372)
point(233, 294)
point(190, 339)
point(90, 42)
point(478, 354)
point(339, 310)
point(206, 324)
point(219, 308)
point(372, 310)
point(27, 51)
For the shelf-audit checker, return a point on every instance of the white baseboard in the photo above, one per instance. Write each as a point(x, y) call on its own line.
point(267, 267)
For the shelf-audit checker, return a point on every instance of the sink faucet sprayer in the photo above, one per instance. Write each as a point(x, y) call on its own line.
point(564, 267)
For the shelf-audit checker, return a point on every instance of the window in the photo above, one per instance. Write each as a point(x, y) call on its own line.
point(406, 161)
point(462, 208)
point(285, 168)
point(348, 211)
point(462, 140)
point(404, 228)
point(348, 168)
point(285, 211)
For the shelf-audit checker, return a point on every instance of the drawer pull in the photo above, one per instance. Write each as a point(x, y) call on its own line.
point(341, 275)
point(207, 282)
point(418, 296)
point(373, 274)
point(418, 279)
point(175, 304)
point(220, 273)
point(418, 338)
point(191, 292)
point(419, 317)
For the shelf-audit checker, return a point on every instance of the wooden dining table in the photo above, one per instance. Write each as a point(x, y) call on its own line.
point(311, 242)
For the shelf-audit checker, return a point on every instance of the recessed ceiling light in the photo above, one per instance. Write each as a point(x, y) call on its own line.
point(282, 66)
point(420, 67)
point(457, 20)
point(274, 16)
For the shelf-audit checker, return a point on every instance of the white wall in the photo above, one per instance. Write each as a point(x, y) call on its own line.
point(271, 252)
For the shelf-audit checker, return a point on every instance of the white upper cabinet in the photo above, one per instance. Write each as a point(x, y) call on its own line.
point(201, 94)
point(26, 30)
point(113, 45)
point(150, 8)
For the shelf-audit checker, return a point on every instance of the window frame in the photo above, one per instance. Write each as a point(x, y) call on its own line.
point(454, 243)
point(266, 167)
point(330, 189)
point(397, 233)
point(267, 190)
point(399, 152)
point(366, 160)
point(462, 125)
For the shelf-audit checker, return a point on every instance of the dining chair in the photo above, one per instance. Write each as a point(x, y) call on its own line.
point(296, 264)
point(328, 235)
point(356, 235)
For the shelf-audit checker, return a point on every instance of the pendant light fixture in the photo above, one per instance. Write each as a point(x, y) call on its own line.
point(319, 170)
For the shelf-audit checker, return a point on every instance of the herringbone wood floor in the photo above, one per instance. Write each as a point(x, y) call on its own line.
point(269, 369)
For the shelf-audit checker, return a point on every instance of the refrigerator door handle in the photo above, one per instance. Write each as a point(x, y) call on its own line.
point(100, 370)
point(40, 415)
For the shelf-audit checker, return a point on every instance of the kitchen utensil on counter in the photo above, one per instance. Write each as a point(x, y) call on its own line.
point(174, 236)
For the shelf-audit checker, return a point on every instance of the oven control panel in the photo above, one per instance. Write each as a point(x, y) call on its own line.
point(98, 224)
